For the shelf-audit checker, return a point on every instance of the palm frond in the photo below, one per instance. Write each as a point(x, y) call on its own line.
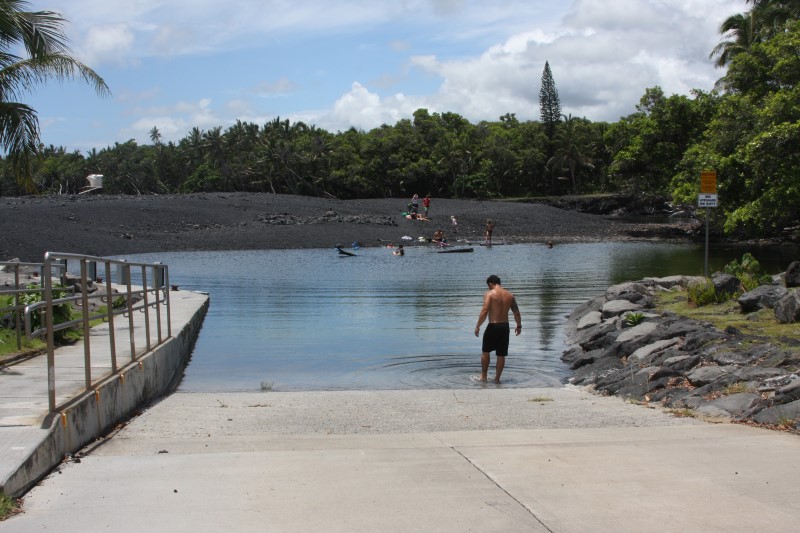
point(40, 32)
point(19, 135)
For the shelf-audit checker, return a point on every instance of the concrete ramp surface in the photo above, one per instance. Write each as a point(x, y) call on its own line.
point(501, 460)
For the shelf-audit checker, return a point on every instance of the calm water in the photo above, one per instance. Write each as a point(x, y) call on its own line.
point(312, 320)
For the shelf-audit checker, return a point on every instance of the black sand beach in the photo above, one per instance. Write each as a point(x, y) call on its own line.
point(118, 225)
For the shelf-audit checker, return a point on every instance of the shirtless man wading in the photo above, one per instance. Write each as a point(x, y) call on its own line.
point(496, 303)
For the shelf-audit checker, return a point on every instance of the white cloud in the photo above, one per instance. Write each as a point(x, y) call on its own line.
point(109, 44)
point(478, 59)
point(361, 109)
point(603, 56)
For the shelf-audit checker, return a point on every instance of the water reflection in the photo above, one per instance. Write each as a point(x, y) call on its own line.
point(312, 320)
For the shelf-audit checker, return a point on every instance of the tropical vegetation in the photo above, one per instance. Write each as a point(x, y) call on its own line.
point(746, 128)
point(40, 36)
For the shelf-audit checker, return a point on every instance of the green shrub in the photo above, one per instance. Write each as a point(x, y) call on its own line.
point(705, 293)
point(61, 312)
point(634, 319)
point(748, 270)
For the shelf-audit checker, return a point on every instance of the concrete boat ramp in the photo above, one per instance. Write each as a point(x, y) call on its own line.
point(485, 459)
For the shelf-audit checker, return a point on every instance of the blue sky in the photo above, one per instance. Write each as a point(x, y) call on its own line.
point(183, 63)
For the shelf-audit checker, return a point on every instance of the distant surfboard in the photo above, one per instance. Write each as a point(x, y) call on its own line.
point(348, 254)
point(454, 251)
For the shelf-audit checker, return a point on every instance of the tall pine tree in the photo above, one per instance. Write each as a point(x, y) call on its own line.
point(549, 105)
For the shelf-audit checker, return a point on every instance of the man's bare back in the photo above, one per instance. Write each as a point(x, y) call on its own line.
point(497, 302)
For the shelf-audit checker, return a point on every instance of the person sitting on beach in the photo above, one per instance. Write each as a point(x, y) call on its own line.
point(438, 236)
point(399, 251)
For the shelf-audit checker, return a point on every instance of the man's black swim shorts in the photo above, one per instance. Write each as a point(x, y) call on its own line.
point(496, 338)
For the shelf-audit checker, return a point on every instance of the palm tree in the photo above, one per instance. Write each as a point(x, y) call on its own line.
point(774, 14)
point(46, 57)
point(743, 31)
point(568, 152)
point(155, 136)
point(765, 19)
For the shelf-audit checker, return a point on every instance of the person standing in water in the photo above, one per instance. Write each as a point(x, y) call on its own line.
point(497, 302)
point(487, 236)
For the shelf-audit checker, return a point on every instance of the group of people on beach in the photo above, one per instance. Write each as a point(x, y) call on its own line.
point(413, 207)
point(413, 213)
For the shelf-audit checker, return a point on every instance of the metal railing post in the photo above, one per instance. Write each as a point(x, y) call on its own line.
point(158, 276)
point(112, 340)
point(87, 349)
point(63, 273)
point(17, 314)
point(145, 292)
point(124, 274)
point(51, 354)
point(166, 296)
point(127, 271)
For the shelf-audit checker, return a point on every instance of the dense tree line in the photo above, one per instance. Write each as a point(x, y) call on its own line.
point(747, 129)
point(441, 154)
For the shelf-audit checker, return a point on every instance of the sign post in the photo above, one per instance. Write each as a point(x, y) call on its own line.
point(707, 199)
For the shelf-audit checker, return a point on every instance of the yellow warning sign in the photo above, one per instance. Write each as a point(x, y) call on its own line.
point(708, 182)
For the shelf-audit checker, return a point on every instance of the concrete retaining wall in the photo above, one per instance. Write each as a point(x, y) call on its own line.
point(94, 413)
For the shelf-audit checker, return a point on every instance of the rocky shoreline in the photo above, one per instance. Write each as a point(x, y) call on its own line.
point(684, 364)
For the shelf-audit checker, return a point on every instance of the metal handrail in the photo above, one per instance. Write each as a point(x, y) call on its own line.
point(137, 300)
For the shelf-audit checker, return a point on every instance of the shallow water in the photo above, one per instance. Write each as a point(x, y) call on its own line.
point(314, 320)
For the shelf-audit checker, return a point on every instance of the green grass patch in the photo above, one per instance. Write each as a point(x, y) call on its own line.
point(8, 337)
point(540, 399)
point(8, 507)
point(683, 413)
point(784, 422)
point(737, 388)
point(8, 343)
point(760, 323)
point(705, 293)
